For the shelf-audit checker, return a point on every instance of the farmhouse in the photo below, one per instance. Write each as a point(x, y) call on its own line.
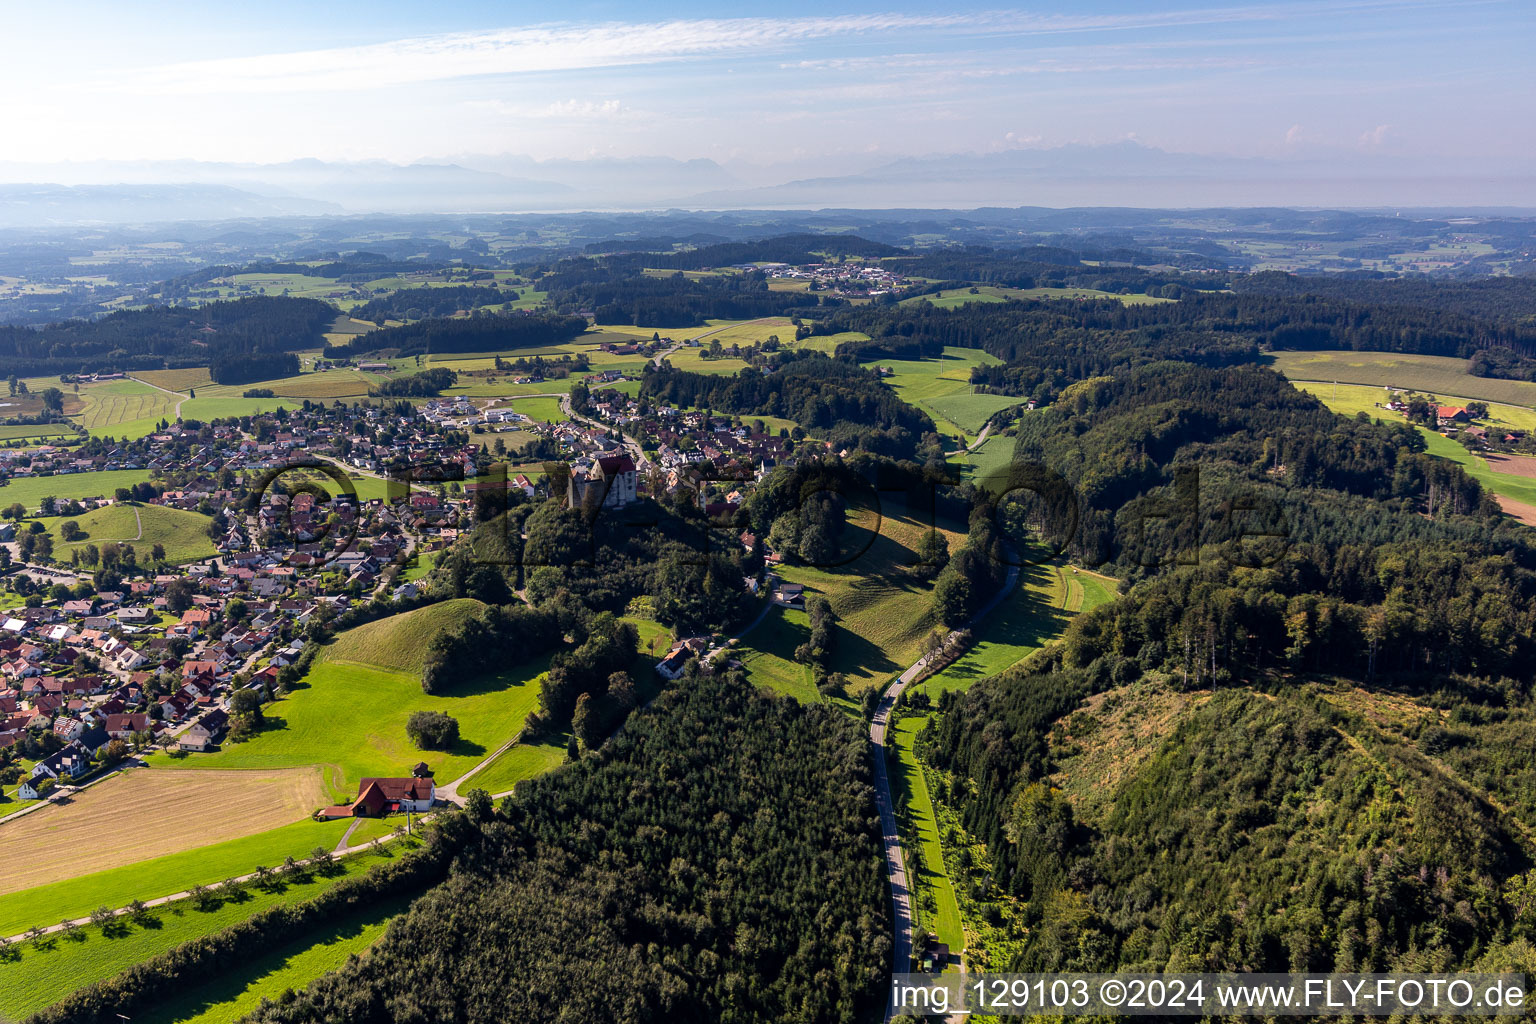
point(377, 797)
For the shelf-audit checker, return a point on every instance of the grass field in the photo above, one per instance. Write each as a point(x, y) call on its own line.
point(145, 813)
point(182, 533)
point(942, 389)
point(234, 993)
point(928, 876)
point(826, 342)
point(33, 432)
point(952, 297)
point(883, 610)
point(176, 380)
point(161, 876)
point(350, 719)
point(124, 408)
point(544, 410)
point(519, 762)
point(1437, 375)
point(37, 978)
point(399, 643)
point(31, 490)
point(1039, 609)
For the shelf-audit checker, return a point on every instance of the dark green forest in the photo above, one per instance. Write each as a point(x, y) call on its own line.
point(717, 861)
point(243, 340)
point(1273, 825)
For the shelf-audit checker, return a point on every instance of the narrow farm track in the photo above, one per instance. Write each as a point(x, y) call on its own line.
point(176, 412)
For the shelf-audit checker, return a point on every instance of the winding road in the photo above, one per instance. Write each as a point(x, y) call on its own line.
point(895, 862)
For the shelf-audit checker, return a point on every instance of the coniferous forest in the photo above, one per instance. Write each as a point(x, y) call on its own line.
point(717, 861)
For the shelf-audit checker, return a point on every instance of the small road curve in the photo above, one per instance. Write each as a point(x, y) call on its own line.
point(346, 837)
point(176, 412)
point(981, 438)
point(895, 862)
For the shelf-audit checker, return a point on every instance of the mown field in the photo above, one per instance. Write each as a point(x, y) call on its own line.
point(124, 408)
point(142, 814)
point(1437, 375)
point(326, 384)
point(34, 978)
point(176, 380)
point(77, 896)
point(350, 717)
point(182, 533)
point(938, 910)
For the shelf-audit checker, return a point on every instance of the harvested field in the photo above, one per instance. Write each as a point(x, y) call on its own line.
point(1517, 510)
point(1514, 465)
point(148, 812)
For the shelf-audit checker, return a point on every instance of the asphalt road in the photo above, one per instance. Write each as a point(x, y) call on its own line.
point(895, 862)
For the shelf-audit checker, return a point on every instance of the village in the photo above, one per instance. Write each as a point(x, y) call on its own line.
point(311, 513)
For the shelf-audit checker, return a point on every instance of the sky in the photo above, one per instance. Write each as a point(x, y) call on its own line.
point(796, 85)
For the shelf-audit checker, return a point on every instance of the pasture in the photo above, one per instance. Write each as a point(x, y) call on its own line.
point(1040, 608)
point(521, 761)
point(349, 718)
point(883, 609)
point(181, 533)
point(160, 876)
point(231, 994)
point(1435, 375)
point(145, 813)
point(942, 388)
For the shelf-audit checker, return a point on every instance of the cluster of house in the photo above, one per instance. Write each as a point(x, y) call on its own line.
point(125, 665)
point(855, 279)
point(1455, 419)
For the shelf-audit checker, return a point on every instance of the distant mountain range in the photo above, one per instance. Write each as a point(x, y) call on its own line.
point(1124, 174)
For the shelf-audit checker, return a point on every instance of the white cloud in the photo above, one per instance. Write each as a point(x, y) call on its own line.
point(568, 47)
point(1374, 138)
point(1293, 135)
